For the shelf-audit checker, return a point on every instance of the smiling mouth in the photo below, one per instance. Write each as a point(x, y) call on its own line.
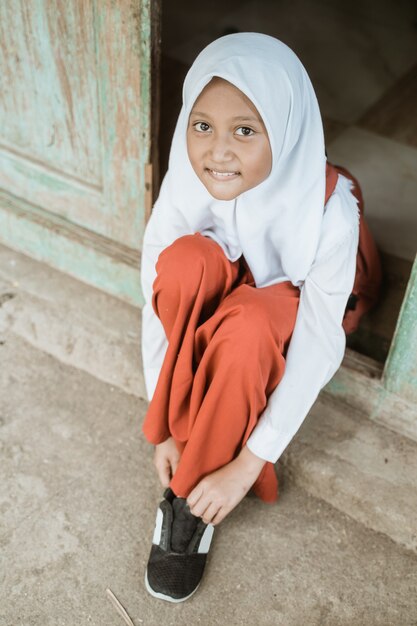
point(218, 175)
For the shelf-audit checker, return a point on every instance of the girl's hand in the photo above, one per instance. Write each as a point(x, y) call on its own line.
point(218, 493)
point(166, 459)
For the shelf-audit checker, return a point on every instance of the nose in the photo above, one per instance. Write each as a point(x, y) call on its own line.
point(220, 149)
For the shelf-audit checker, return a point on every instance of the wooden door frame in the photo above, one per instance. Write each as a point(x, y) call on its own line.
point(386, 393)
point(400, 371)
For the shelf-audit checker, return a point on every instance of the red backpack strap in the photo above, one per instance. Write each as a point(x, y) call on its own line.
point(332, 172)
point(331, 180)
point(367, 285)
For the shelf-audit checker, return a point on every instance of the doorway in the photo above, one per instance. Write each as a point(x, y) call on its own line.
point(362, 60)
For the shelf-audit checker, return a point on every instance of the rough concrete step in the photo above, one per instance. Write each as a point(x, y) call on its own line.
point(362, 468)
point(74, 322)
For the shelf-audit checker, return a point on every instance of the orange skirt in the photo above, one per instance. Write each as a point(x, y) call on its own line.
point(227, 342)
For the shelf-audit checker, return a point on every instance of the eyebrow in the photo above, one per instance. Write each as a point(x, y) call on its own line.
point(238, 118)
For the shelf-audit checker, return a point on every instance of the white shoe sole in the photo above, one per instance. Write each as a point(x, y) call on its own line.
point(162, 596)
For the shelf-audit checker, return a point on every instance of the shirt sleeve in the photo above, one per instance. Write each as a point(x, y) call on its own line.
point(164, 226)
point(154, 341)
point(315, 352)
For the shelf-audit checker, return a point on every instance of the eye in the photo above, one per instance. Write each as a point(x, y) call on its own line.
point(244, 131)
point(201, 127)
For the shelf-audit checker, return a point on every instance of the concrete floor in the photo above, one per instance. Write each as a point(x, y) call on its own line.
point(78, 497)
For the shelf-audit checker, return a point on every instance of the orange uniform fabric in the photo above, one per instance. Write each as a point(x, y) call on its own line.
point(215, 319)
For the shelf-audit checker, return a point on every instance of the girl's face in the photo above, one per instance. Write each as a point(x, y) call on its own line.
point(227, 142)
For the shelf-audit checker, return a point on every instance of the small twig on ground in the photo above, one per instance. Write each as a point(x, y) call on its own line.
point(119, 608)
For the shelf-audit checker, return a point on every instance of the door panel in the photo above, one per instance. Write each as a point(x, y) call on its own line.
point(74, 111)
point(50, 91)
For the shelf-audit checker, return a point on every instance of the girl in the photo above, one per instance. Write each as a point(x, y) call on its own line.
point(249, 260)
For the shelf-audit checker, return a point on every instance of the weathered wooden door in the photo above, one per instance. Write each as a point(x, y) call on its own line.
point(75, 127)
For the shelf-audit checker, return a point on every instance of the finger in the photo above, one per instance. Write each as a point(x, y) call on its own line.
point(195, 495)
point(164, 474)
point(220, 515)
point(210, 513)
point(201, 506)
point(174, 464)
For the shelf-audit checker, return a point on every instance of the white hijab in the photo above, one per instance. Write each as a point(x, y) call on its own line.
point(277, 224)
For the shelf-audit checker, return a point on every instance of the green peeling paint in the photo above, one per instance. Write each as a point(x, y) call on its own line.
point(82, 119)
point(400, 373)
point(47, 181)
point(72, 257)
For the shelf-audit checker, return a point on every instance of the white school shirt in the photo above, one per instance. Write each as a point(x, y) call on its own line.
point(317, 344)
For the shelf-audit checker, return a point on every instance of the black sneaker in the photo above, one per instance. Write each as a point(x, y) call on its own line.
point(179, 550)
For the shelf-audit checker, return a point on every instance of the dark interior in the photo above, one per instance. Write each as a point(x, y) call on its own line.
point(305, 26)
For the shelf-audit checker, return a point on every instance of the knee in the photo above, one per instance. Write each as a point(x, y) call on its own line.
point(183, 255)
point(247, 325)
point(182, 264)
